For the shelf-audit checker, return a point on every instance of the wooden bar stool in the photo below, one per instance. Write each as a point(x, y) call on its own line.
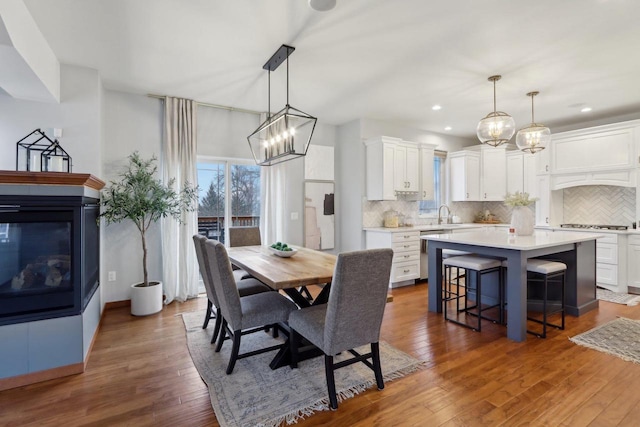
point(478, 266)
point(545, 272)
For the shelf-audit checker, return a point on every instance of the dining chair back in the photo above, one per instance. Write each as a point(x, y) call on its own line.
point(241, 316)
point(198, 242)
point(352, 316)
point(244, 236)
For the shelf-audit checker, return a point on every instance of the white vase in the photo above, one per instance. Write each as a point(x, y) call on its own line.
point(146, 300)
point(522, 220)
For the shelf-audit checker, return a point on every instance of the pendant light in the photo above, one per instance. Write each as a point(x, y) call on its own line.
point(286, 135)
point(497, 127)
point(534, 137)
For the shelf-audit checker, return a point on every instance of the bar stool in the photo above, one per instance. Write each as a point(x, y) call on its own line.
point(478, 266)
point(548, 273)
point(448, 253)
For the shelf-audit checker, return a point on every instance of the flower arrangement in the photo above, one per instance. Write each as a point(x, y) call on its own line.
point(518, 199)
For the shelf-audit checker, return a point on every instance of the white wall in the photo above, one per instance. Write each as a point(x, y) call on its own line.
point(131, 123)
point(78, 115)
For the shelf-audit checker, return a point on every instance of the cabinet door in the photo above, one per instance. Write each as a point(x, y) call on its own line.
point(412, 168)
point(634, 265)
point(542, 205)
point(542, 161)
point(427, 191)
point(494, 174)
point(515, 172)
point(399, 169)
point(529, 174)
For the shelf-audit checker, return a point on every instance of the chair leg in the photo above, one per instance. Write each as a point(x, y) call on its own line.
point(235, 349)
point(294, 342)
point(331, 383)
point(216, 327)
point(221, 335)
point(275, 333)
point(208, 315)
point(377, 368)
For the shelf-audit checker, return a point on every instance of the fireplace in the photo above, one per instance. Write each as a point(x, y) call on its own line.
point(49, 256)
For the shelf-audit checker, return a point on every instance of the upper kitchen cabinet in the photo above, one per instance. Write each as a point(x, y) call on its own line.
point(380, 167)
point(521, 173)
point(604, 155)
point(406, 175)
point(543, 161)
point(464, 169)
point(427, 189)
point(478, 174)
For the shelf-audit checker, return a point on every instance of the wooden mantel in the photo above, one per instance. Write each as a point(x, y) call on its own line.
point(51, 178)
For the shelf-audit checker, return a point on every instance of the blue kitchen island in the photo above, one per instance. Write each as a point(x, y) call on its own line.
point(576, 250)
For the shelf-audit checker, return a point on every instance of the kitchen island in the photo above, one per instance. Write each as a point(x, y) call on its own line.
point(576, 250)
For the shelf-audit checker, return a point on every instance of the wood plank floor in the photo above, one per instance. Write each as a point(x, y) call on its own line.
point(140, 374)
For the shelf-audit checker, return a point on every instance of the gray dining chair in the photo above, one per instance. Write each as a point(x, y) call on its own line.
point(241, 316)
point(245, 287)
point(244, 236)
point(351, 318)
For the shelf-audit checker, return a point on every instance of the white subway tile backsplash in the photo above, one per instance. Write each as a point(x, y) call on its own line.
point(599, 204)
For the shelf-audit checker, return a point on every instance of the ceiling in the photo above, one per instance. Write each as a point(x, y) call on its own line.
point(377, 59)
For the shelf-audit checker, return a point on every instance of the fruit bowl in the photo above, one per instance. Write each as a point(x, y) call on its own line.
point(283, 254)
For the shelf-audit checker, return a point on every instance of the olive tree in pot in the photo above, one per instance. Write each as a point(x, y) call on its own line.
point(142, 198)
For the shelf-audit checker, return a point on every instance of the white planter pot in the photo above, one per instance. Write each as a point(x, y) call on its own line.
point(523, 220)
point(146, 300)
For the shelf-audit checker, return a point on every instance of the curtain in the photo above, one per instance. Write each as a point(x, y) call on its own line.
point(179, 149)
point(273, 196)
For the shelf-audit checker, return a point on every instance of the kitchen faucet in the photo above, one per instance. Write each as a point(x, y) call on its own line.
point(440, 214)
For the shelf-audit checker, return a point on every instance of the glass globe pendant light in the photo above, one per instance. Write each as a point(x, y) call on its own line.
point(497, 127)
point(534, 137)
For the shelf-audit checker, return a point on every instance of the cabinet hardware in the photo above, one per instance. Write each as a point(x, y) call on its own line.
point(546, 220)
point(485, 195)
point(546, 168)
point(424, 194)
point(407, 256)
point(467, 195)
point(407, 246)
point(406, 271)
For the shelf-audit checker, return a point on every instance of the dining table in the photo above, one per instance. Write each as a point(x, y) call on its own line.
point(576, 250)
point(306, 267)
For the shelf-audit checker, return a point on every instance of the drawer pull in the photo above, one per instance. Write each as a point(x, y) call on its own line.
point(406, 271)
point(407, 246)
point(407, 256)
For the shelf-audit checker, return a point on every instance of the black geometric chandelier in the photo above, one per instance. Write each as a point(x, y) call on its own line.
point(286, 135)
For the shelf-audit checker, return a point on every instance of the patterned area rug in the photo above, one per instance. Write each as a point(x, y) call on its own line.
point(607, 295)
point(255, 395)
point(620, 337)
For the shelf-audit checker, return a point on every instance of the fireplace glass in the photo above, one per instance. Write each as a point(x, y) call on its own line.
point(36, 263)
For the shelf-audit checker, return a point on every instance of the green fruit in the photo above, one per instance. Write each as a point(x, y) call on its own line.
point(273, 246)
point(284, 245)
point(287, 249)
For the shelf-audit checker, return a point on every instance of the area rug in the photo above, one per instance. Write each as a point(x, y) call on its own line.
point(618, 298)
point(620, 337)
point(255, 395)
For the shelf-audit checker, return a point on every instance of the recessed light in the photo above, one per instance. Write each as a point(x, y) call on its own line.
point(436, 107)
point(585, 109)
point(447, 128)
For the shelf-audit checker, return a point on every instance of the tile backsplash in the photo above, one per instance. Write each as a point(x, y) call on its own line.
point(599, 204)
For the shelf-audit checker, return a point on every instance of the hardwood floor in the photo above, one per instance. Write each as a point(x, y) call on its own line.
point(140, 373)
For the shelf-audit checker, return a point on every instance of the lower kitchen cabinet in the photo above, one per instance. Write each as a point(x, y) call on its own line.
point(406, 253)
point(611, 262)
point(633, 257)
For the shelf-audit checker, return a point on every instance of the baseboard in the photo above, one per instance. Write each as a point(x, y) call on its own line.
point(117, 304)
point(46, 375)
point(633, 290)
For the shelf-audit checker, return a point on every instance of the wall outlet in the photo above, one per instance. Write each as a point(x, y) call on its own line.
point(112, 276)
point(294, 216)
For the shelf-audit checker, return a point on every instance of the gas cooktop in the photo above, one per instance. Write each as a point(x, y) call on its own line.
point(595, 226)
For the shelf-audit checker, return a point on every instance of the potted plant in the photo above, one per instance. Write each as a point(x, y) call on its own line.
point(522, 217)
point(142, 198)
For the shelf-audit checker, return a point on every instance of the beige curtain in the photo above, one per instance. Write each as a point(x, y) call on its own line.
point(179, 149)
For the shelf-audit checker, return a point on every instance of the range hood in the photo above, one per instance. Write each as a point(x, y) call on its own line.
point(620, 178)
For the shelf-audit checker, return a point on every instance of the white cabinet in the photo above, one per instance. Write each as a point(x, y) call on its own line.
point(405, 267)
point(521, 176)
point(493, 173)
point(427, 189)
point(542, 161)
point(549, 207)
point(611, 262)
point(406, 175)
point(464, 169)
point(380, 168)
point(633, 262)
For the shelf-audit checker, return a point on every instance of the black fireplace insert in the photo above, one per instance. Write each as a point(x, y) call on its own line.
point(49, 256)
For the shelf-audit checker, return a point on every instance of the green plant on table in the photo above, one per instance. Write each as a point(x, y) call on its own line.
point(518, 199)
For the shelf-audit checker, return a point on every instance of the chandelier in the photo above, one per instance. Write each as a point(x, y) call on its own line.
point(285, 135)
point(497, 127)
point(534, 137)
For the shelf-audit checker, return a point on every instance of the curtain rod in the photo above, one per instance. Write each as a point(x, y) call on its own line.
point(221, 107)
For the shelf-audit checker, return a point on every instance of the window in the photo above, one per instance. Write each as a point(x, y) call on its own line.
point(430, 207)
point(229, 193)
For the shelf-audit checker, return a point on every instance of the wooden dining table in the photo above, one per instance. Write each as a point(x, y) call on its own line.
point(306, 267)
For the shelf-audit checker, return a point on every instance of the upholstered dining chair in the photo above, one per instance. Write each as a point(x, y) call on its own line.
point(241, 316)
point(351, 318)
point(245, 287)
point(244, 236)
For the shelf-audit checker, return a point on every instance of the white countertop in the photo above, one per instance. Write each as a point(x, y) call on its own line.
point(431, 227)
point(500, 238)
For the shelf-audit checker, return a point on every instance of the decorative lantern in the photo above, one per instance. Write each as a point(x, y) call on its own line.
point(36, 152)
